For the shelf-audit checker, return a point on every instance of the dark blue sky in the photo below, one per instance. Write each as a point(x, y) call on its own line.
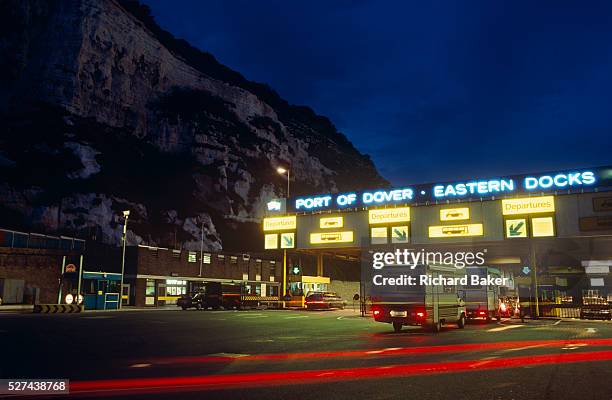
point(433, 91)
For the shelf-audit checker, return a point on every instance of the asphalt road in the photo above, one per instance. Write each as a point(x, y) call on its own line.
point(304, 355)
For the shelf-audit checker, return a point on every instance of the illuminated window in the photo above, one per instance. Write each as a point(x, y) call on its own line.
point(542, 227)
point(221, 258)
point(150, 288)
point(233, 260)
point(207, 258)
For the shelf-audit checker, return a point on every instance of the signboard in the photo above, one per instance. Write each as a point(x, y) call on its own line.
point(287, 240)
point(455, 230)
point(331, 222)
point(389, 215)
point(542, 227)
point(597, 269)
point(569, 181)
point(271, 241)
point(331, 237)
point(597, 282)
point(454, 214)
point(280, 223)
point(516, 228)
point(602, 204)
point(528, 205)
point(276, 206)
point(399, 234)
point(378, 235)
point(595, 223)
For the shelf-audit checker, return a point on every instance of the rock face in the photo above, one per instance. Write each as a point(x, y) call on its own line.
point(103, 111)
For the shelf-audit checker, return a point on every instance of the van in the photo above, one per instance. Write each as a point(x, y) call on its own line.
point(429, 304)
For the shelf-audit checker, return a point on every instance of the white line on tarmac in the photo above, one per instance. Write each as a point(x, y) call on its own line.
point(298, 316)
point(591, 330)
point(503, 328)
point(557, 323)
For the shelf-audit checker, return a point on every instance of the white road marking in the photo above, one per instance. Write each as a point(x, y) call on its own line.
point(298, 316)
point(503, 328)
point(523, 348)
point(140, 365)
point(557, 323)
point(574, 346)
point(228, 355)
point(591, 330)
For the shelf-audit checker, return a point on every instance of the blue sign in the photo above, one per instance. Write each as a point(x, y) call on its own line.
point(566, 181)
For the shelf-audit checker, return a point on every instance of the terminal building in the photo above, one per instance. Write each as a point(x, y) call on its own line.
point(548, 233)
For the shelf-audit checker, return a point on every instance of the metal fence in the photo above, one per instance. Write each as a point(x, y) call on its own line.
point(15, 239)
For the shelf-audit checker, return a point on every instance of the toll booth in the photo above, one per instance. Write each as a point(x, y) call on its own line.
point(301, 286)
point(101, 290)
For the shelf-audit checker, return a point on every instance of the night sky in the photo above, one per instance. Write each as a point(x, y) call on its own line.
point(433, 91)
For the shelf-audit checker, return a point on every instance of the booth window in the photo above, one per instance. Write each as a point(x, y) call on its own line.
point(150, 288)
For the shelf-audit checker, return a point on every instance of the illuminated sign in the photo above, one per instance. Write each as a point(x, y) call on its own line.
point(528, 205)
point(331, 222)
point(331, 237)
point(476, 187)
point(287, 240)
point(399, 234)
point(560, 181)
point(389, 215)
point(516, 228)
point(276, 206)
point(471, 189)
point(351, 199)
point(542, 227)
point(271, 241)
point(378, 235)
point(455, 230)
point(279, 223)
point(454, 214)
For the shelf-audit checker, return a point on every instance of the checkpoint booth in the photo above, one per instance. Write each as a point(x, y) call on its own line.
point(100, 290)
point(300, 286)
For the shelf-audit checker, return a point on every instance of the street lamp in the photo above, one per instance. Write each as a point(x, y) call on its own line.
point(126, 215)
point(284, 171)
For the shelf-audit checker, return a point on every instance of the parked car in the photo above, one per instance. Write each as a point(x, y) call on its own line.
point(324, 301)
point(195, 300)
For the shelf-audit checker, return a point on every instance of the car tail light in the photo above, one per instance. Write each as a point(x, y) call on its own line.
point(482, 313)
point(420, 314)
point(376, 312)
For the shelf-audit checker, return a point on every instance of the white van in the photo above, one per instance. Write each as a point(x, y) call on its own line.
point(429, 305)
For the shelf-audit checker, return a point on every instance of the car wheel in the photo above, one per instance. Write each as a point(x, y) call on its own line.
point(397, 326)
point(461, 322)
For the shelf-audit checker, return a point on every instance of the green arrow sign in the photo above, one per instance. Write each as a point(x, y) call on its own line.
point(516, 228)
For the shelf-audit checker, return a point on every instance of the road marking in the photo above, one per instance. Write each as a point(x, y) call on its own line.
point(248, 315)
point(523, 348)
point(591, 330)
point(140, 365)
point(574, 346)
point(503, 328)
point(557, 323)
point(298, 316)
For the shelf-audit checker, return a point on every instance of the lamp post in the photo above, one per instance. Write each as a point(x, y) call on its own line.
point(126, 215)
point(283, 171)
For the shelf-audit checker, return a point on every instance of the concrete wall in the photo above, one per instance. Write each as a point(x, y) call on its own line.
point(346, 290)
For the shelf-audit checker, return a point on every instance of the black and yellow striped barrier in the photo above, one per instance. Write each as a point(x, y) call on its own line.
point(57, 308)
